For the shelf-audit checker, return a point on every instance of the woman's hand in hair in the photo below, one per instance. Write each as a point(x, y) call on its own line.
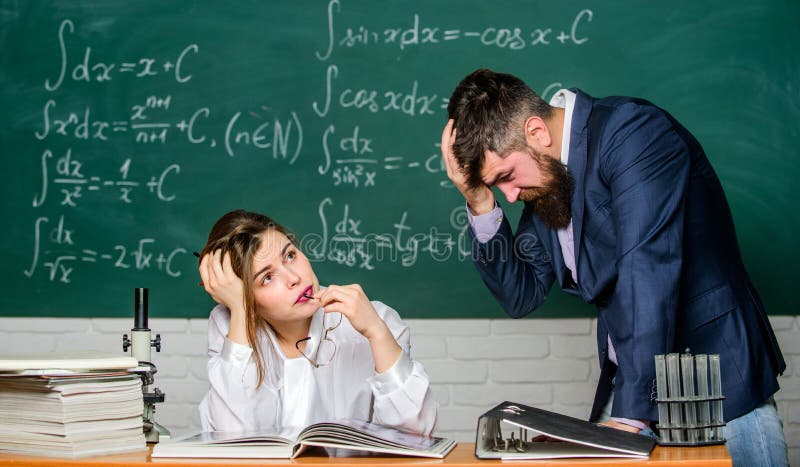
point(226, 288)
point(351, 301)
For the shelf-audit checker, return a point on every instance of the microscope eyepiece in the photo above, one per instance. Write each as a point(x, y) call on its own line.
point(140, 309)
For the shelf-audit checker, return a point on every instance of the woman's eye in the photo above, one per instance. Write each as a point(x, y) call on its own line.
point(266, 280)
point(290, 256)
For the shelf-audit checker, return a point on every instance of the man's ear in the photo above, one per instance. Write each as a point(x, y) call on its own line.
point(536, 133)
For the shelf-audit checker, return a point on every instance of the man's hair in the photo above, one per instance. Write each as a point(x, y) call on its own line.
point(489, 110)
point(240, 233)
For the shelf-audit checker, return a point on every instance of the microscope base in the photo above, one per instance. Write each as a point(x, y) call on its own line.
point(157, 433)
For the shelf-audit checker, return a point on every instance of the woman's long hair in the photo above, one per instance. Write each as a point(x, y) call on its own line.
point(240, 233)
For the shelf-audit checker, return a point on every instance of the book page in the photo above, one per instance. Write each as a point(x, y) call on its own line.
point(364, 436)
point(85, 360)
point(556, 450)
point(361, 432)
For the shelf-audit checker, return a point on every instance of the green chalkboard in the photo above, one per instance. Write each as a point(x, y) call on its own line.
point(128, 128)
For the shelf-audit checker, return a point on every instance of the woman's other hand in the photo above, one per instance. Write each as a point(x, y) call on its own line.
point(351, 301)
point(226, 288)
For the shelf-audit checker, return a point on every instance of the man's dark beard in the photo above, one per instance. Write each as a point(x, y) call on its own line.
point(551, 202)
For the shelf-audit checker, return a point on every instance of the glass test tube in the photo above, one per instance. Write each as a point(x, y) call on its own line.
point(703, 409)
point(716, 391)
point(675, 410)
point(687, 376)
point(661, 393)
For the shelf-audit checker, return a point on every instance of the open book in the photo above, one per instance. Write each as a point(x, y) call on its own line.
point(508, 430)
point(289, 442)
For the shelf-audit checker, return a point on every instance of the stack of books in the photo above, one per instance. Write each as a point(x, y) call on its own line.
point(70, 405)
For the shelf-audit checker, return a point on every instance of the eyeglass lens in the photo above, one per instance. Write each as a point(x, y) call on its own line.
point(331, 321)
point(327, 349)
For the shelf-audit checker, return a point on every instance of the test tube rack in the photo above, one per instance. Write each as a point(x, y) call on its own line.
point(689, 397)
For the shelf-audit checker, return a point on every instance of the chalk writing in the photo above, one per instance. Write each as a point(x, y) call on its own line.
point(346, 241)
point(119, 132)
point(418, 33)
point(59, 254)
point(74, 184)
point(408, 101)
point(355, 164)
point(90, 70)
point(284, 139)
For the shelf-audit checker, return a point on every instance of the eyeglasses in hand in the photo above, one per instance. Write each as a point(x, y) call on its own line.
point(324, 352)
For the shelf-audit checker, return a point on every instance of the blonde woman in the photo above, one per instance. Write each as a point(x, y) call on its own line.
point(284, 351)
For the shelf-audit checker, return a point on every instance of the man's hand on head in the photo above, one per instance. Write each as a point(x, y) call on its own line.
point(480, 199)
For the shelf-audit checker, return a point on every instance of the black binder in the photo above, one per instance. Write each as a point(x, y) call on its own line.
point(506, 432)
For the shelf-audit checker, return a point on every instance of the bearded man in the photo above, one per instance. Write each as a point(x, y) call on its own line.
point(623, 209)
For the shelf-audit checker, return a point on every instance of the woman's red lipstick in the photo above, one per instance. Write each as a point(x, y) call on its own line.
point(305, 295)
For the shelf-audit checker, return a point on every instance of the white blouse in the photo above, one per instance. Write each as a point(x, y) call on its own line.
point(295, 394)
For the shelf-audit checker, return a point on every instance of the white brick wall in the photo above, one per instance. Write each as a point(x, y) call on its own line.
point(472, 364)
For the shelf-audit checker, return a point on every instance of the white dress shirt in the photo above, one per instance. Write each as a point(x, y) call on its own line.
point(295, 394)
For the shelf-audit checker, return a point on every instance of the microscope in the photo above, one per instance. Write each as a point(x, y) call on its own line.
point(140, 344)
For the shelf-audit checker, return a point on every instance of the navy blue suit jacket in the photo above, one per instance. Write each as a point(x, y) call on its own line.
point(656, 252)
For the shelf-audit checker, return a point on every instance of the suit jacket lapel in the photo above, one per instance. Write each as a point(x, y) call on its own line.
point(577, 166)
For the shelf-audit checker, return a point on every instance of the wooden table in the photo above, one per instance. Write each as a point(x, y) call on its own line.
point(462, 455)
